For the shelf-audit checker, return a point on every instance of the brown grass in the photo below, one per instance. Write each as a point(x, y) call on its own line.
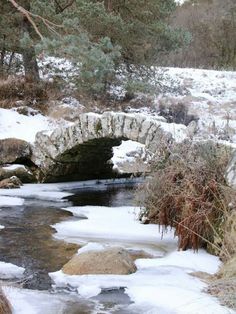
point(15, 91)
point(5, 306)
point(18, 88)
point(187, 191)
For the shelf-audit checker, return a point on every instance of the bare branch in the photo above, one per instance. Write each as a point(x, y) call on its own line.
point(29, 15)
point(65, 7)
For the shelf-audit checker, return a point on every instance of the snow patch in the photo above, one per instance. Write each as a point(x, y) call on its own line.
point(16, 125)
point(50, 192)
point(10, 271)
point(105, 223)
point(10, 201)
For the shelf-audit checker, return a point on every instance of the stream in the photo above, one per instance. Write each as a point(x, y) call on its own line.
point(27, 241)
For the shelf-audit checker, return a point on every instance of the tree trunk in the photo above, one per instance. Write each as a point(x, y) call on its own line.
point(2, 57)
point(28, 53)
point(30, 64)
point(108, 5)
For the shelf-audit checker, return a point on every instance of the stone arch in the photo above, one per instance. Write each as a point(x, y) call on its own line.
point(88, 144)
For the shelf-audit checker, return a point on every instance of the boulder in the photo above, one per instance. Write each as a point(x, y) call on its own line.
point(20, 171)
point(13, 150)
point(108, 261)
point(10, 183)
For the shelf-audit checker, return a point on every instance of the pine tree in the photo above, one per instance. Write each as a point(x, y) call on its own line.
point(99, 35)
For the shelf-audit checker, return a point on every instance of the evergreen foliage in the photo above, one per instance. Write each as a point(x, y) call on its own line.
point(99, 36)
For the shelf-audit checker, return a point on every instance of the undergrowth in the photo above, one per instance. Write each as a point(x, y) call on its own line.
point(16, 91)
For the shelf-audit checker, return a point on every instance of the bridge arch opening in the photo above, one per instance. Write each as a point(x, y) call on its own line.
point(86, 161)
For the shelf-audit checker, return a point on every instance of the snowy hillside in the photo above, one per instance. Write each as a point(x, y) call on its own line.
point(210, 95)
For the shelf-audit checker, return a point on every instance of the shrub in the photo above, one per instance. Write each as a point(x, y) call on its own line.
point(187, 191)
point(176, 113)
point(16, 88)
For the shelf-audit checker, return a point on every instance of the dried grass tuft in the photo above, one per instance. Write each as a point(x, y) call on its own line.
point(187, 191)
point(5, 306)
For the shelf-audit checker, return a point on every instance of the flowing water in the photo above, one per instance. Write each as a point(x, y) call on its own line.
point(27, 241)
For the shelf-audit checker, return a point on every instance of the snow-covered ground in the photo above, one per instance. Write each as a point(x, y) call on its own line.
point(14, 124)
point(163, 284)
point(210, 95)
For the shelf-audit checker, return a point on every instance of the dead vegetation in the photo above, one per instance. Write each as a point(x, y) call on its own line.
point(5, 307)
point(15, 91)
point(176, 113)
point(188, 191)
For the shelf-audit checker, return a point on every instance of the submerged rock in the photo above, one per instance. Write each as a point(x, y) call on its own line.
point(10, 183)
point(109, 261)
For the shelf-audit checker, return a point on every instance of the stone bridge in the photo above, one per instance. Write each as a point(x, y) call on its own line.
point(82, 151)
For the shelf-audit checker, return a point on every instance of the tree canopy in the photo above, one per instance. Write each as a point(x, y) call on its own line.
point(98, 35)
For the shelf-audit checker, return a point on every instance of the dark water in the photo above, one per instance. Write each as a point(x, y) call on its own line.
point(105, 196)
point(27, 238)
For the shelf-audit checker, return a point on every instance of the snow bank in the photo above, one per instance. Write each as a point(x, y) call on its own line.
point(155, 284)
point(157, 280)
point(122, 152)
point(10, 201)
point(50, 192)
point(10, 271)
point(26, 301)
point(16, 125)
point(14, 167)
point(105, 223)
